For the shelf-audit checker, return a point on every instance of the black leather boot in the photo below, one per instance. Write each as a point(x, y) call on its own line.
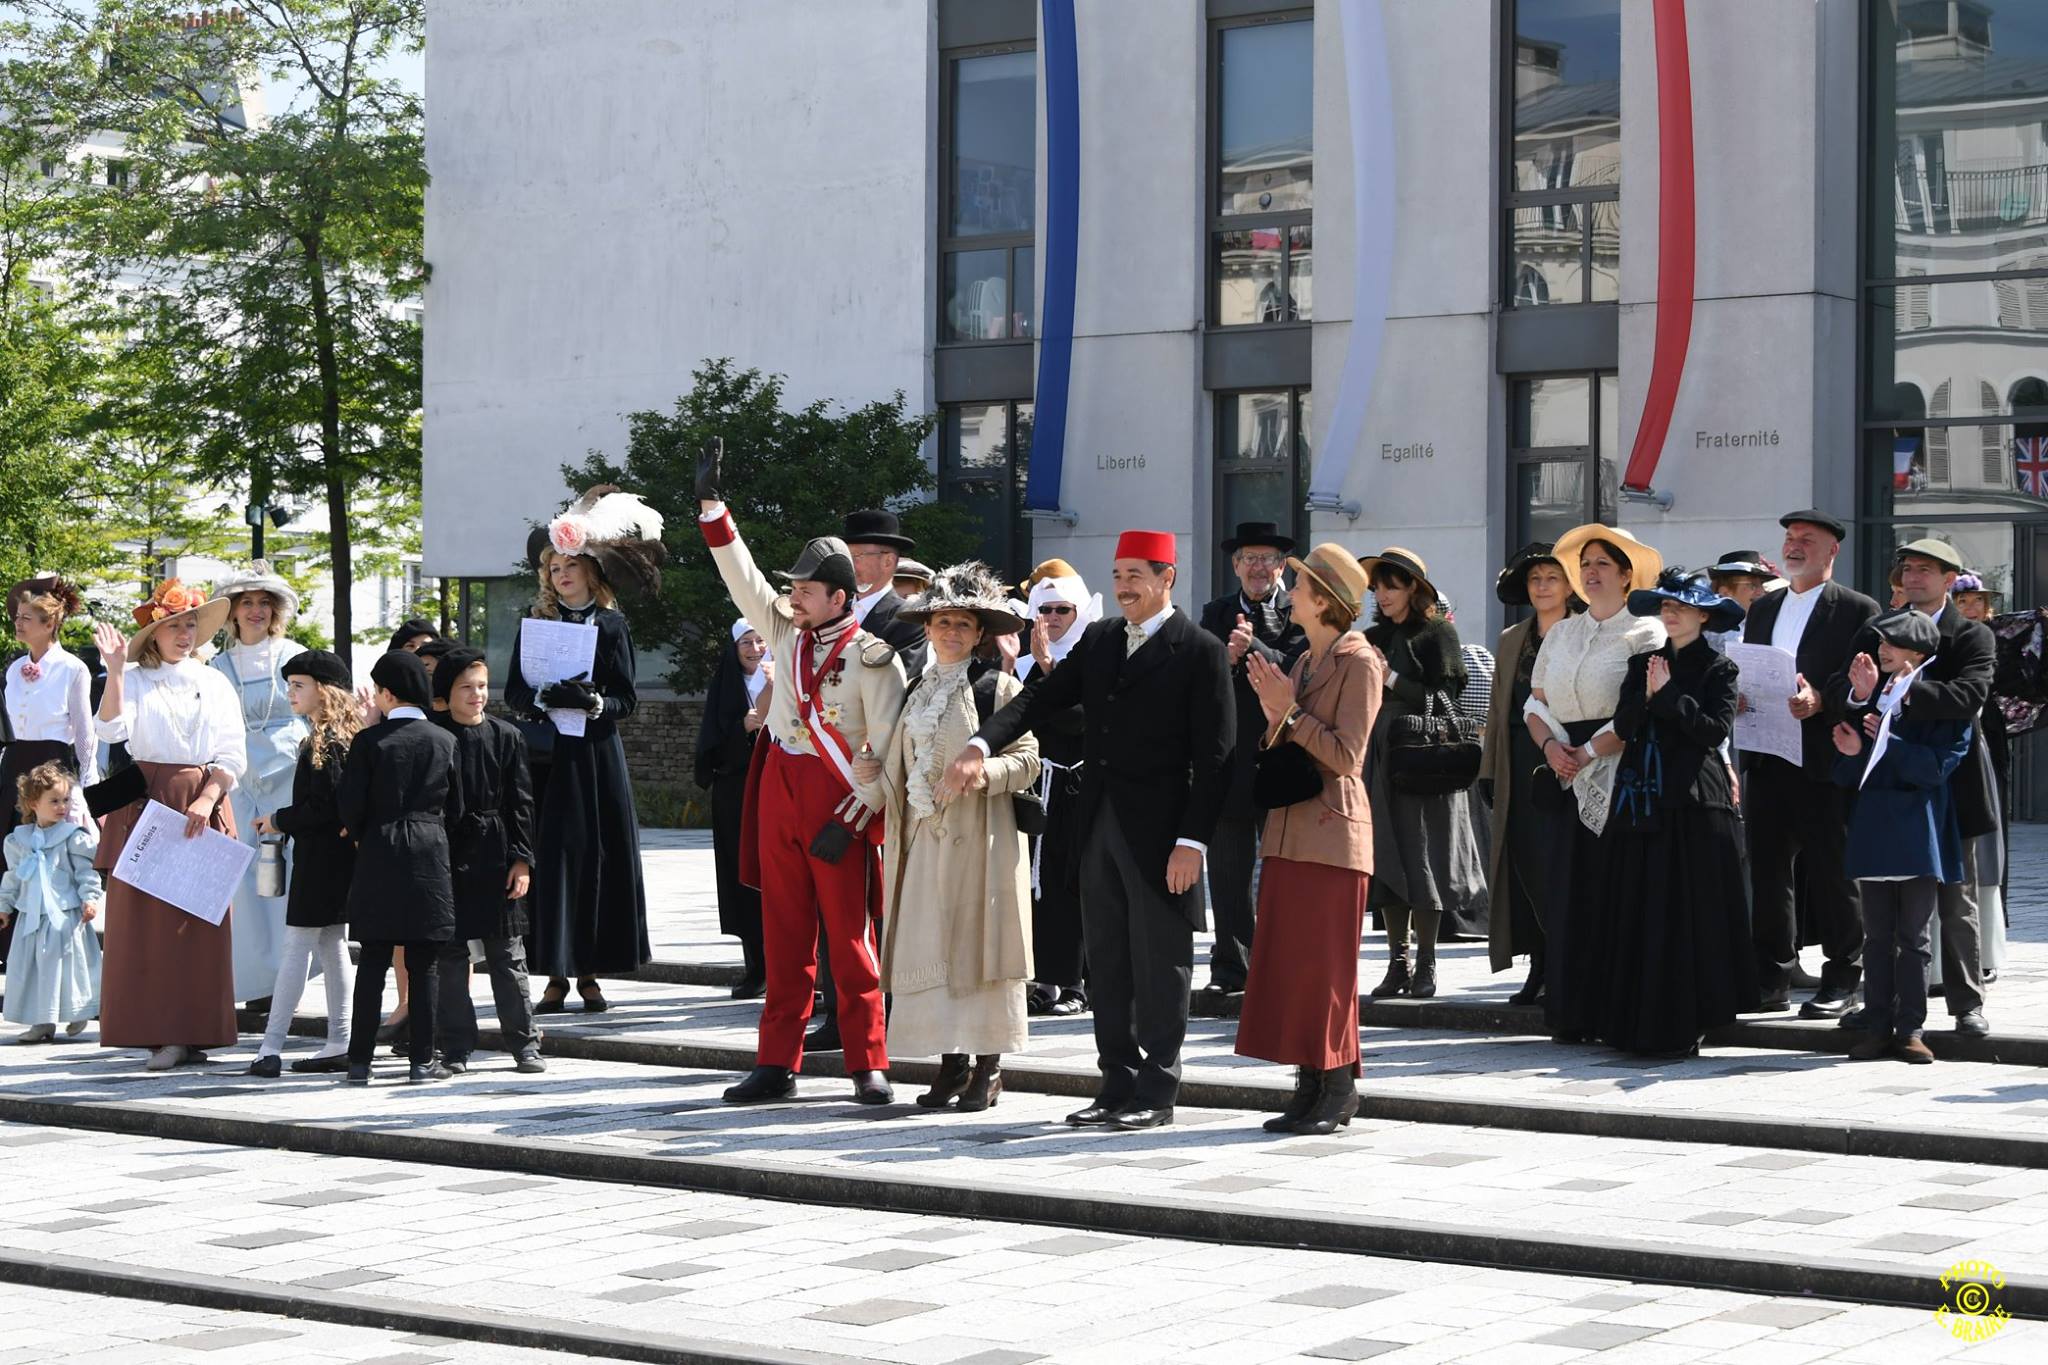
point(1308, 1085)
point(1423, 986)
point(1395, 982)
point(1335, 1106)
point(1532, 989)
point(763, 1083)
point(947, 1085)
point(986, 1086)
point(872, 1087)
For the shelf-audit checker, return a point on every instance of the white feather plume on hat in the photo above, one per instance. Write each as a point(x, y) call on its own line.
point(617, 530)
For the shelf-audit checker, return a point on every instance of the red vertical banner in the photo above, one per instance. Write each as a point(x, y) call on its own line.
point(1676, 241)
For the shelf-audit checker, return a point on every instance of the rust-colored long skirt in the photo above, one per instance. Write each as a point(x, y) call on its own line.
point(166, 977)
point(1301, 997)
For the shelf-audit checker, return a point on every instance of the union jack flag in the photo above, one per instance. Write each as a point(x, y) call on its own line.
point(2030, 464)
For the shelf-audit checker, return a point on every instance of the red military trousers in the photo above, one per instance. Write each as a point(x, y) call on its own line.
point(797, 795)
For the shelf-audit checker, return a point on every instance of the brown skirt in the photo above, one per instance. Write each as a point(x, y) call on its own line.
point(166, 977)
point(1301, 998)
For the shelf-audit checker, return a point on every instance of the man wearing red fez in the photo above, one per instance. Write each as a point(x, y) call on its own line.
point(1154, 688)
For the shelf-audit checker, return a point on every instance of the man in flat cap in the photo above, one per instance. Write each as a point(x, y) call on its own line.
point(810, 840)
point(1795, 816)
point(1251, 618)
point(1154, 690)
point(1952, 686)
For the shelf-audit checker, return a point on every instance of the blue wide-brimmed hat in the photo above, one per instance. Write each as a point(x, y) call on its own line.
point(1688, 590)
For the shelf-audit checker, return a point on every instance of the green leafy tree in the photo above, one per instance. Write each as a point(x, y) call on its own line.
point(789, 475)
point(259, 266)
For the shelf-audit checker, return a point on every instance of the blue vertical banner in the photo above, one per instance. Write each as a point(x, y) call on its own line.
point(1369, 101)
point(1062, 236)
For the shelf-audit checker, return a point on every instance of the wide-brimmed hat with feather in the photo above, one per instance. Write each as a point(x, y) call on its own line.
point(616, 531)
point(972, 586)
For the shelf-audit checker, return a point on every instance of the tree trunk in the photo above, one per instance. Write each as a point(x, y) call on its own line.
point(340, 559)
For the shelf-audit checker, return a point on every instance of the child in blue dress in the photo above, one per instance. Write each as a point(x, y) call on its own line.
point(51, 894)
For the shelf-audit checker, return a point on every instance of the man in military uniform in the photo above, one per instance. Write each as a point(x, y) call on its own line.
point(812, 832)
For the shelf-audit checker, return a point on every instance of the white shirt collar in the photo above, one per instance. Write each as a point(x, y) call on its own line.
point(862, 605)
point(405, 713)
point(1151, 627)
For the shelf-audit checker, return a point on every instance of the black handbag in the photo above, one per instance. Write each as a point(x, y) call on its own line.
point(1285, 775)
point(1434, 753)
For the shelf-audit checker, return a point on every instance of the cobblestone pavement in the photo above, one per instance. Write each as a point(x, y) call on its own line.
point(694, 1230)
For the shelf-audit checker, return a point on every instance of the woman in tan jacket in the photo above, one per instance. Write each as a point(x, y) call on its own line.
point(956, 936)
point(1301, 1002)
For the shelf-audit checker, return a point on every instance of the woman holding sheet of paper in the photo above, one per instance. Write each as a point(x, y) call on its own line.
point(168, 976)
point(587, 904)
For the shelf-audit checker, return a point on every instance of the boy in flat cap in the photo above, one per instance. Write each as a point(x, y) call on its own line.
point(812, 831)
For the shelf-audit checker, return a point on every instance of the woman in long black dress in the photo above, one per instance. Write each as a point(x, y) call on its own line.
point(1676, 900)
point(733, 715)
point(588, 905)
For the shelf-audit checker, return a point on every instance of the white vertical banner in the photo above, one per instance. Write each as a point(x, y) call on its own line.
point(1369, 99)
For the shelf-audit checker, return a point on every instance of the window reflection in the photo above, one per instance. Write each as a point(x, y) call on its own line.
point(1262, 462)
point(1567, 94)
point(977, 295)
point(984, 459)
point(1267, 128)
point(995, 144)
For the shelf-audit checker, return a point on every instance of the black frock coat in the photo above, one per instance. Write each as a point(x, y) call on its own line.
point(588, 904)
point(1280, 649)
point(398, 795)
point(323, 858)
point(1160, 727)
point(725, 748)
point(495, 828)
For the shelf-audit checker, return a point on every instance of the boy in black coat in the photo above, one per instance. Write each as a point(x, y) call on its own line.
point(398, 799)
point(490, 846)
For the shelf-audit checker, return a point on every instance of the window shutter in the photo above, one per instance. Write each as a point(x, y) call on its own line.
point(1937, 437)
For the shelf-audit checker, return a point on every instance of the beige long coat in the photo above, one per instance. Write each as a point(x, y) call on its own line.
point(964, 920)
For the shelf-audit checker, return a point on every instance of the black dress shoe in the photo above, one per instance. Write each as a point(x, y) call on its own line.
point(1095, 1115)
point(1776, 1003)
point(270, 1068)
point(457, 1066)
point(427, 1071)
point(750, 988)
point(824, 1038)
point(305, 1065)
point(763, 1083)
point(358, 1075)
point(872, 1087)
point(1830, 1002)
point(1132, 1120)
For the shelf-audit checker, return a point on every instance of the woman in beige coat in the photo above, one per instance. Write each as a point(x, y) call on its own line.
point(956, 937)
point(1301, 1001)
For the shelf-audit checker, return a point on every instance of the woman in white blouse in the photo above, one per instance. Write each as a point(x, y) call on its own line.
point(1573, 693)
point(167, 977)
point(49, 700)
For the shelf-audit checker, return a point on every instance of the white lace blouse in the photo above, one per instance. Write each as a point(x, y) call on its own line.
point(1579, 669)
point(184, 713)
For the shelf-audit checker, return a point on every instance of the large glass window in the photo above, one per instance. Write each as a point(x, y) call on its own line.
point(1563, 439)
point(984, 454)
point(1262, 465)
point(990, 151)
point(1261, 250)
point(1564, 188)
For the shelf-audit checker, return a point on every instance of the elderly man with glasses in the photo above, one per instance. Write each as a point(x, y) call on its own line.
point(1251, 619)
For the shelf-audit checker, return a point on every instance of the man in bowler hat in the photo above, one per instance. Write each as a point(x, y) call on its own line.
point(1154, 689)
point(1253, 618)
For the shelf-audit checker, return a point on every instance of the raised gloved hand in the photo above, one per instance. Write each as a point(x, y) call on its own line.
point(710, 470)
point(573, 695)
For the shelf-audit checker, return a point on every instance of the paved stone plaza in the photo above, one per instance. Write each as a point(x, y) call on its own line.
point(1499, 1199)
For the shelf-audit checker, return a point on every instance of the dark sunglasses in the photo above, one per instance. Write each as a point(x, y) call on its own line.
point(1055, 609)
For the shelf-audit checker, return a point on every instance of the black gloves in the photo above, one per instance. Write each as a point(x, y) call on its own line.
point(832, 842)
point(710, 474)
point(573, 695)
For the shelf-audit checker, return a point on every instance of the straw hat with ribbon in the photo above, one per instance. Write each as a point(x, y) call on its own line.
point(1408, 562)
point(1336, 574)
point(174, 601)
point(1644, 563)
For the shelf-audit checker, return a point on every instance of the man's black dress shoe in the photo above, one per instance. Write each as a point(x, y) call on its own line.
point(1830, 1002)
point(763, 1083)
point(267, 1066)
point(358, 1075)
point(824, 1038)
point(427, 1071)
point(1132, 1120)
point(872, 1087)
point(1771, 1004)
point(1095, 1115)
point(338, 1062)
point(751, 988)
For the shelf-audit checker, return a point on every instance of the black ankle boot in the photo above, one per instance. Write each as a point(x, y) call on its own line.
point(1308, 1086)
point(1423, 986)
point(1532, 989)
point(763, 1083)
point(947, 1085)
point(985, 1087)
point(1335, 1106)
point(1395, 982)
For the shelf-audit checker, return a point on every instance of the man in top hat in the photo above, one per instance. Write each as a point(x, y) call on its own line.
point(1952, 686)
point(1252, 619)
point(875, 539)
point(1154, 689)
point(1794, 813)
point(812, 830)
